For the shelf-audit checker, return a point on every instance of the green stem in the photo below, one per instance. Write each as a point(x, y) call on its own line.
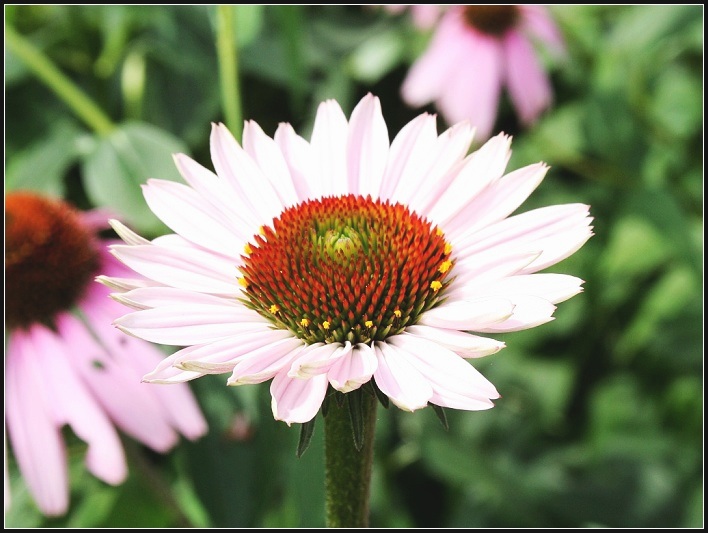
point(348, 470)
point(42, 67)
point(227, 52)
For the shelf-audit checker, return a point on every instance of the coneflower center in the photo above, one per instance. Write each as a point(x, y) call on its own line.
point(493, 20)
point(50, 258)
point(346, 268)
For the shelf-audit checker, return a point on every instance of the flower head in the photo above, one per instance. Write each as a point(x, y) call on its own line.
point(65, 364)
point(347, 260)
point(475, 50)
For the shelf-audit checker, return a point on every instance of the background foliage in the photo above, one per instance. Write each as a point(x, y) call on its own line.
point(601, 418)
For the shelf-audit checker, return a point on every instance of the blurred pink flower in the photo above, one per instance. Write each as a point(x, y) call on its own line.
point(424, 15)
point(347, 261)
point(66, 364)
point(474, 52)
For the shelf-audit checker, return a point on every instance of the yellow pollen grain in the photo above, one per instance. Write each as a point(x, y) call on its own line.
point(397, 313)
point(261, 230)
point(326, 324)
point(438, 232)
point(243, 282)
point(274, 309)
point(445, 267)
point(247, 249)
point(369, 324)
point(435, 285)
point(304, 322)
point(448, 248)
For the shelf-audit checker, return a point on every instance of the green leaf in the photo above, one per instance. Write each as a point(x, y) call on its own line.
point(306, 431)
point(376, 57)
point(43, 165)
point(117, 165)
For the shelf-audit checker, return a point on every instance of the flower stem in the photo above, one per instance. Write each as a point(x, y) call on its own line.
point(348, 470)
point(227, 52)
point(42, 67)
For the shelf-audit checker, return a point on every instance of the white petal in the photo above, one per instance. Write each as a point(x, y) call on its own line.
point(446, 372)
point(297, 400)
point(317, 359)
point(222, 197)
point(184, 211)
point(367, 147)
point(498, 200)
point(554, 288)
point(411, 152)
point(187, 324)
point(150, 297)
point(329, 149)
point(490, 265)
point(262, 364)
point(399, 380)
point(125, 233)
point(446, 160)
point(236, 167)
point(354, 369)
point(267, 155)
point(463, 344)
point(529, 312)
point(221, 356)
point(483, 167)
point(191, 269)
point(525, 228)
point(468, 315)
point(298, 156)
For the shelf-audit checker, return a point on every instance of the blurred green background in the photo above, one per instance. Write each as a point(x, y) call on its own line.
point(601, 417)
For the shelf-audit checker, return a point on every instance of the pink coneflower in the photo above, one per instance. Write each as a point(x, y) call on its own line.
point(346, 261)
point(65, 364)
point(474, 52)
point(424, 15)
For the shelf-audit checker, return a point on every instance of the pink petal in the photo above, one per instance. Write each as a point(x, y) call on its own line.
point(176, 404)
point(223, 198)
point(298, 156)
point(317, 359)
point(367, 147)
point(483, 168)
point(537, 21)
point(452, 378)
point(264, 363)
point(190, 269)
point(117, 388)
point(468, 315)
point(184, 211)
point(529, 312)
point(297, 400)
point(445, 163)
point(35, 438)
point(329, 149)
point(187, 324)
point(497, 200)
point(237, 168)
point(222, 356)
point(463, 344)
point(149, 297)
point(399, 379)
point(266, 153)
point(354, 369)
point(555, 288)
point(430, 73)
point(527, 82)
point(411, 153)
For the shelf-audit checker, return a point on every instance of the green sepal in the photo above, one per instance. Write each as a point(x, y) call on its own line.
point(440, 412)
point(356, 416)
point(306, 431)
